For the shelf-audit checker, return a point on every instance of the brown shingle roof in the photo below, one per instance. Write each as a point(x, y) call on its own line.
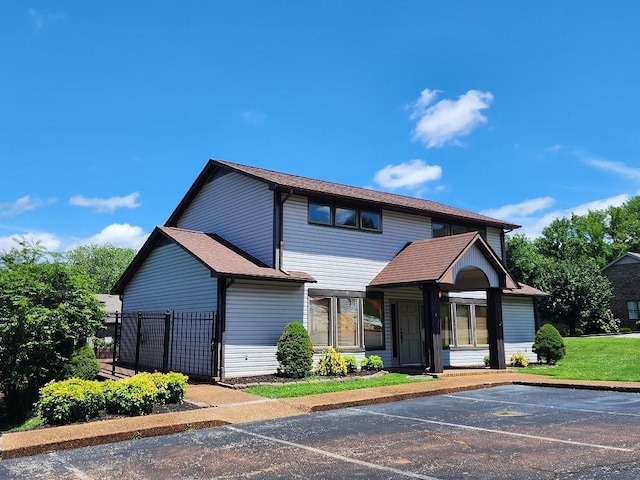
point(525, 290)
point(215, 253)
point(431, 260)
point(309, 186)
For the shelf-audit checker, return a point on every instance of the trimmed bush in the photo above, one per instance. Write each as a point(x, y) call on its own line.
point(295, 351)
point(486, 360)
point(73, 400)
point(518, 359)
point(331, 364)
point(548, 344)
point(131, 396)
point(352, 363)
point(82, 364)
point(374, 362)
point(625, 330)
point(171, 387)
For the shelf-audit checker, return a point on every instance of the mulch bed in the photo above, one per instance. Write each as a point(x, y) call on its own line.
point(246, 382)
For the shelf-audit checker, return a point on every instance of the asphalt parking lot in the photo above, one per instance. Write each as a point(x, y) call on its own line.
point(510, 432)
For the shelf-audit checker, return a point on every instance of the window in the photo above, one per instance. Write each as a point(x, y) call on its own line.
point(346, 321)
point(633, 307)
point(344, 217)
point(463, 324)
point(444, 230)
point(372, 323)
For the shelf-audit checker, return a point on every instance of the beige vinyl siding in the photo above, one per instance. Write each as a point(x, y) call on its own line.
point(494, 239)
point(257, 313)
point(239, 209)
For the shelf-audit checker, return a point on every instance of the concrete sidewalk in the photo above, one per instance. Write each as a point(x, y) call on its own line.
point(225, 406)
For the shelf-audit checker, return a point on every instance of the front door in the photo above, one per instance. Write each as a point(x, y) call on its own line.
point(410, 334)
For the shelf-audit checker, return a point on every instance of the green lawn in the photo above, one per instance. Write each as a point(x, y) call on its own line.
point(314, 386)
point(595, 358)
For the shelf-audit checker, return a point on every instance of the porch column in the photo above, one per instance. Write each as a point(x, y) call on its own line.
point(494, 325)
point(431, 316)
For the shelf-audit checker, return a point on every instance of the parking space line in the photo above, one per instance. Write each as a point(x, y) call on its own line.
point(334, 455)
point(490, 430)
point(552, 407)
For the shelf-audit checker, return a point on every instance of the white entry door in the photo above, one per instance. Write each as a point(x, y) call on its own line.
point(409, 333)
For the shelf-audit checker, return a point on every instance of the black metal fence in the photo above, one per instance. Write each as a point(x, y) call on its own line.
point(166, 341)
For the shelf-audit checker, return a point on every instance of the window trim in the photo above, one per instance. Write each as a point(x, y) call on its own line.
point(379, 296)
point(474, 330)
point(637, 310)
point(333, 321)
point(332, 214)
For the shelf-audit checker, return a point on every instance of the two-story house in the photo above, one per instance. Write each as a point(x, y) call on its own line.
point(417, 282)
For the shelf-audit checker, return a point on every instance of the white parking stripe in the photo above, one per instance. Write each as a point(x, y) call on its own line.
point(501, 432)
point(553, 407)
point(334, 455)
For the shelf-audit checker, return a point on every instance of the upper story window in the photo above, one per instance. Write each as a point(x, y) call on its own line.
point(439, 229)
point(344, 217)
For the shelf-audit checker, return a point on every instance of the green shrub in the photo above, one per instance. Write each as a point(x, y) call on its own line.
point(486, 360)
point(518, 359)
point(131, 396)
point(548, 344)
point(374, 362)
point(82, 364)
point(625, 330)
point(295, 351)
point(73, 400)
point(331, 364)
point(352, 363)
point(171, 387)
point(579, 332)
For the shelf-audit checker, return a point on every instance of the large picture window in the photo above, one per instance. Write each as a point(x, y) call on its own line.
point(463, 324)
point(346, 322)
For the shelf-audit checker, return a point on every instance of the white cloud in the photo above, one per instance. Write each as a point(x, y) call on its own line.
point(40, 19)
point(519, 210)
point(253, 117)
point(410, 174)
point(554, 148)
point(47, 240)
point(21, 205)
point(117, 234)
point(448, 120)
point(532, 225)
point(106, 204)
point(615, 167)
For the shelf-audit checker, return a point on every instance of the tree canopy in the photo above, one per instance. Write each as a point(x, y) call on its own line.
point(46, 307)
point(104, 264)
point(566, 262)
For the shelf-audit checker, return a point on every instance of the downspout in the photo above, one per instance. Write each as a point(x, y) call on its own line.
point(281, 231)
point(223, 284)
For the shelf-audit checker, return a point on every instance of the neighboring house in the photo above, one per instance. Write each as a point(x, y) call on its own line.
point(112, 305)
point(624, 275)
point(417, 282)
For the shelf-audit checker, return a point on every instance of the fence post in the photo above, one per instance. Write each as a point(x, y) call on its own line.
point(167, 329)
point(138, 335)
point(116, 342)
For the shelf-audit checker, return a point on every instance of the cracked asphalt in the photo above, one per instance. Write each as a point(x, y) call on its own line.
point(508, 432)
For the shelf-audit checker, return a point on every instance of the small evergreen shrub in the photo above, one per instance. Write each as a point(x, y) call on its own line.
point(486, 360)
point(518, 359)
point(352, 363)
point(295, 351)
point(548, 344)
point(331, 364)
point(73, 400)
point(625, 330)
point(82, 364)
point(131, 396)
point(374, 362)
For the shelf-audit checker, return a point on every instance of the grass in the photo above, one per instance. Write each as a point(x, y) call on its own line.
point(595, 358)
point(314, 386)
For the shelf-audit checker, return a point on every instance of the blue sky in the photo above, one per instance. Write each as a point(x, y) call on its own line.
point(524, 111)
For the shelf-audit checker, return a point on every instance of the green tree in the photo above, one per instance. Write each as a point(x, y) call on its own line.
point(103, 263)
point(524, 261)
point(579, 296)
point(46, 307)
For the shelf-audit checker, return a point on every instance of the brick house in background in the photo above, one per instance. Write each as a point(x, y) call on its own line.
point(624, 275)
